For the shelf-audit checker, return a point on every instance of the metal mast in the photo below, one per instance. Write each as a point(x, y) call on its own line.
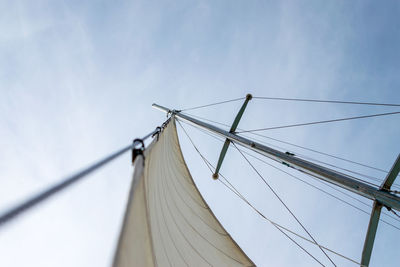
point(381, 196)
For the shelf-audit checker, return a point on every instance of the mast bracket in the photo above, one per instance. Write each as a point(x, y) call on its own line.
point(232, 130)
point(376, 212)
point(286, 164)
point(138, 151)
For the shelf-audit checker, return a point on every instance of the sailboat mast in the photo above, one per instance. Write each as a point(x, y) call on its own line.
point(345, 181)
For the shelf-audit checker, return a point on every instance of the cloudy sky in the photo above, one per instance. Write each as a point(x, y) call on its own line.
point(77, 80)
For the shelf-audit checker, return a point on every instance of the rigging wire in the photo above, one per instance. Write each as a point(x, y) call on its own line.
point(302, 147)
point(323, 153)
point(395, 213)
point(52, 190)
point(311, 100)
point(214, 104)
point(332, 187)
point(315, 160)
point(276, 225)
point(320, 122)
point(323, 101)
point(343, 169)
point(329, 164)
point(208, 163)
point(326, 101)
point(280, 200)
point(336, 167)
point(202, 118)
point(318, 180)
point(235, 191)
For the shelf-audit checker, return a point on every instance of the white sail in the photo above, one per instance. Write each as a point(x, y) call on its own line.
point(167, 222)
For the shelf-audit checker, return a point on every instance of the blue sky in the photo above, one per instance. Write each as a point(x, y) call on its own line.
point(77, 80)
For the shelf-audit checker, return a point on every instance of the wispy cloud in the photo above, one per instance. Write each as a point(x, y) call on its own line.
point(77, 80)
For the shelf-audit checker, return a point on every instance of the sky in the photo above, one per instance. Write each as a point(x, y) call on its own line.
point(77, 80)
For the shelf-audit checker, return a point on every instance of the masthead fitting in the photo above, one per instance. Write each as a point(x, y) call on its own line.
point(249, 97)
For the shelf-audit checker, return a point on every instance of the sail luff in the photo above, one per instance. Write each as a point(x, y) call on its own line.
point(143, 250)
point(181, 229)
